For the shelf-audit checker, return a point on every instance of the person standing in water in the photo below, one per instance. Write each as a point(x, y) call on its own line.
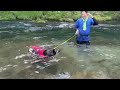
point(83, 26)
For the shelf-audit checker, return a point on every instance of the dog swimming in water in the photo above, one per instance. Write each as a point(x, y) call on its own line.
point(40, 53)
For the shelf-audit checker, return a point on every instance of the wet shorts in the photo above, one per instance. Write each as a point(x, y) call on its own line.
point(83, 42)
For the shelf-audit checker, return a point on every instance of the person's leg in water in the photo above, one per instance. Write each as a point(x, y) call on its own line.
point(78, 42)
point(87, 44)
point(83, 42)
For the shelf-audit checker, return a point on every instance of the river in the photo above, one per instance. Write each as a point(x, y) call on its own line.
point(100, 61)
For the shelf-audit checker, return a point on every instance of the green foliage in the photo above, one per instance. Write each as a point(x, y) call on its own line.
point(6, 15)
point(69, 16)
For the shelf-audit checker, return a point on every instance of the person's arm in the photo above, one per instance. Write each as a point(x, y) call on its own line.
point(77, 32)
point(76, 27)
point(94, 21)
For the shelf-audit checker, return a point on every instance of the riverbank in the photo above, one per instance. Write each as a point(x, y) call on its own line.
point(58, 16)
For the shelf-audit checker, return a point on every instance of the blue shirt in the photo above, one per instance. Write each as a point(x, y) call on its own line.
point(84, 34)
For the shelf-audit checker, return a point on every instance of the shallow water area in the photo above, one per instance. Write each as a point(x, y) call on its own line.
point(100, 61)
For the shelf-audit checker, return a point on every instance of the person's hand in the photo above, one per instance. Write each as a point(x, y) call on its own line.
point(90, 15)
point(77, 32)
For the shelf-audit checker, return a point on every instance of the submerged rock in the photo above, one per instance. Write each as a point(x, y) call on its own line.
point(64, 75)
point(100, 75)
point(25, 62)
point(36, 72)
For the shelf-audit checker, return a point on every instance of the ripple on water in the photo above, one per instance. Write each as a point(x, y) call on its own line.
point(20, 56)
point(54, 60)
point(2, 69)
point(9, 65)
point(37, 37)
point(15, 65)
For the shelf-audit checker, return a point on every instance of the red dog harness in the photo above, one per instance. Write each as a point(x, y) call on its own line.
point(40, 51)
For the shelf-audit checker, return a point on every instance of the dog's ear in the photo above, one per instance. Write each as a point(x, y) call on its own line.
point(54, 51)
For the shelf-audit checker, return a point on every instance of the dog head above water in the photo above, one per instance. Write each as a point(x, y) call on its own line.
point(50, 52)
point(42, 52)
